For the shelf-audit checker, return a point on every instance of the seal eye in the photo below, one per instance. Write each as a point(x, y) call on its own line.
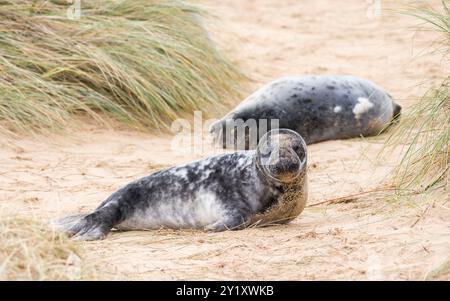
point(299, 150)
point(296, 148)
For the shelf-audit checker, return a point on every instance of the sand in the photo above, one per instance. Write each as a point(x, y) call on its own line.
point(358, 236)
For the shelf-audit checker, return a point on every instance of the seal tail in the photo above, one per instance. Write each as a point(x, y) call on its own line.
point(396, 113)
point(396, 110)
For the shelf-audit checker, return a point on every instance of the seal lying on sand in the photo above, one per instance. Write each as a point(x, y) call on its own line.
point(317, 107)
point(229, 191)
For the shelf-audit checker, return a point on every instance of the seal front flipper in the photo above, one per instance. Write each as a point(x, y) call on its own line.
point(232, 221)
point(222, 225)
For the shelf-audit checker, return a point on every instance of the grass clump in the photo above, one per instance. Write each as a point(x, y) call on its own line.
point(425, 128)
point(30, 251)
point(142, 62)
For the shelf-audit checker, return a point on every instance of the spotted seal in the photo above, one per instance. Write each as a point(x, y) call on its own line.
point(227, 191)
point(319, 108)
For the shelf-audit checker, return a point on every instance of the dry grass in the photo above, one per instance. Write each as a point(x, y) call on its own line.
point(442, 272)
point(142, 62)
point(425, 128)
point(30, 251)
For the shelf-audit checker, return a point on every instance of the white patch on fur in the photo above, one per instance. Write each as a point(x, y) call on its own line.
point(208, 209)
point(244, 161)
point(337, 109)
point(195, 212)
point(180, 172)
point(363, 106)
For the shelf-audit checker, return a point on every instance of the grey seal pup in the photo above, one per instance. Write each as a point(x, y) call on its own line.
point(319, 108)
point(229, 191)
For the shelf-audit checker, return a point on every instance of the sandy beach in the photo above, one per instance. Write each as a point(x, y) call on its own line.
point(344, 233)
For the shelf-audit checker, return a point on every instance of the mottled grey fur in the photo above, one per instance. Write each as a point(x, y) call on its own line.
point(229, 191)
point(317, 107)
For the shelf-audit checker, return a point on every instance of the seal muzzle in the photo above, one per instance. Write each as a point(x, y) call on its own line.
point(282, 155)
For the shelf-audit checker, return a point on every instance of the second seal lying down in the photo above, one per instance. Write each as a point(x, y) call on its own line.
point(319, 108)
point(229, 191)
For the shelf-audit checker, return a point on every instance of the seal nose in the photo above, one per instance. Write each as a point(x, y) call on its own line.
point(286, 165)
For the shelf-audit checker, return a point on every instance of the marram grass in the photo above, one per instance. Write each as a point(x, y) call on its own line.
point(142, 62)
point(30, 251)
point(425, 128)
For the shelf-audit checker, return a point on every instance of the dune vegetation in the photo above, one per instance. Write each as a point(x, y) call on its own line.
point(425, 128)
point(142, 62)
point(29, 250)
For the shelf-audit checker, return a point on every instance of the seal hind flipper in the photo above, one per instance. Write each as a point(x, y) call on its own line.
point(396, 109)
point(89, 228)
point(397, 112)
point(64, 224)
point(92, 226)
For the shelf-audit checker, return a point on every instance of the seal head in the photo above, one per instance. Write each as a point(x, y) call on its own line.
point(281, 154)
